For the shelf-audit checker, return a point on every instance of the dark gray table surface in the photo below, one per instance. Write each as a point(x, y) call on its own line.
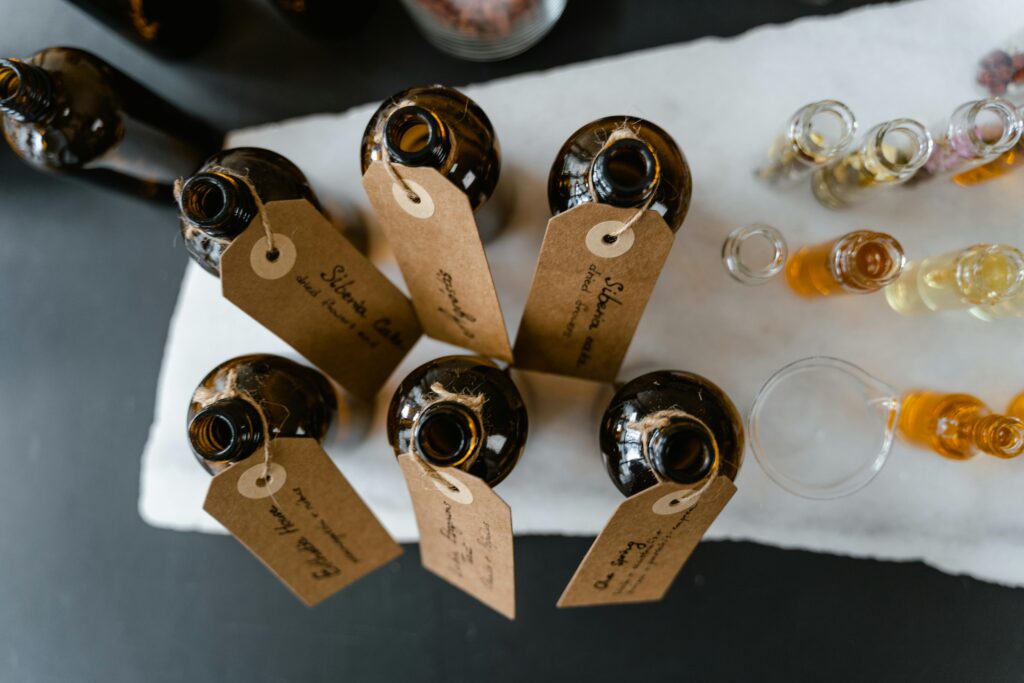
point(88, 592)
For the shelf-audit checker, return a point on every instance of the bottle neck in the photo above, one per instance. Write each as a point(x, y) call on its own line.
point(894, 151)
point(999, 435)
point(447, 434)
point(866, 261)
point(990, 273)
point(984, 128)
point(26, 91)
point(625, 173)
point(683, 451)
point(217, 203)
point(227, 430)
point(415, 136)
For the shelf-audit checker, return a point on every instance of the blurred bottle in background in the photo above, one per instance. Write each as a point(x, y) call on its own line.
point(173, 29)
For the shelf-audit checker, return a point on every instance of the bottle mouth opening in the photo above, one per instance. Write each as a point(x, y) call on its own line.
point(685, 453)
point(990, 273)
point(206, 200)
point(215, 436)
point(992, 126)
point(903, 146)
point(1008, 437)
point(447, 434)
point(626, 171)
point(823, 130)
point(875, 259)
point(10, 81)
point(414, 136)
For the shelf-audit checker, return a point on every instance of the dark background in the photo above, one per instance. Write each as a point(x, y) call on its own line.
point(88, 592)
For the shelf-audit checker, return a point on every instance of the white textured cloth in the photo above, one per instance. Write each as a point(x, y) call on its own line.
point(723, 101)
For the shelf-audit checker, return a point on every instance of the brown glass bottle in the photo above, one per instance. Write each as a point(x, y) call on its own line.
point(67, 111)
point(641, 164)
point(958, 426)
point(460, 411)
point(326, 18)
point(670, 426)
point(174, 29)
point(215, 206)
point(224, 428)
point(439, 127)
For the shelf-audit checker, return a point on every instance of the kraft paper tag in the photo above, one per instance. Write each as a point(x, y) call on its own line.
point(588, 294)
point(323, 297)
point(306, 523)
point(647, 541)
point(465, 532)
point(437, 246)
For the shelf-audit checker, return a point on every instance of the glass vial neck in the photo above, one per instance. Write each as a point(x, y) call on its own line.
point(447, 434)
point(990, 273)
point(415, 136)
point(999, 435)
point(217, 203)
point(26, 91)
point(984, 129)
point(683, 451)
point(895, 150)
point(625, 173)
point(227, 430)
point(866, 261)
point(821, 131)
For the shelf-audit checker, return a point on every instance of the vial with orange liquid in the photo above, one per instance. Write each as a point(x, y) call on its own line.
point(858, 262)
point(958, 426)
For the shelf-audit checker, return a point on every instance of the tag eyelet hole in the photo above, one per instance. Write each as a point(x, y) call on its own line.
point(415, 198)
point(264, 481)
point(610, 239)
point(674, 501)
point(273, 254)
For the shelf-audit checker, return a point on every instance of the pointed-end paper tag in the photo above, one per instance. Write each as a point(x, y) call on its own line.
point(647, 541)
point(465, 532)
point(320, 295)
point(305, 522)
point(437, 246)
point(590, 290)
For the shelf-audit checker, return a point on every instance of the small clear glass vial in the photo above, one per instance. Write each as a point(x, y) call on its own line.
point(978, 132)
point(227, 411)
point(214, 206)
point(670, 426)
point(625, 162)
point(958, 426)
point(463, 412)
point(857, 263)
point(976, 279)
point(891, 153)
point(817, 134)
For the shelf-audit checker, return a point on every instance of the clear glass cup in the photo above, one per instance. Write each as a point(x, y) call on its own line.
point(823, 428)
point(485, 30)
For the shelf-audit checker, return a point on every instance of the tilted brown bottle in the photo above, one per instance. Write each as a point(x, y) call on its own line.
point(327, 19)
point(174, 29)
point(67, 111)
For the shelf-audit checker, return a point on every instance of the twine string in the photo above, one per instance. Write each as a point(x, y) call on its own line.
point(385, 159)
point(623, 133)
point(663, 418)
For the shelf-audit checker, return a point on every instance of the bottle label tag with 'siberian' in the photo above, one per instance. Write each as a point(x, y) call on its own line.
point(301, 518)
point(590, 290)
point(641, 549)
point(465, 532)
point(320, 295)
point(438, 247)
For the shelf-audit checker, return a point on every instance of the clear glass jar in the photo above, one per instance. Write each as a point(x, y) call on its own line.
point(485, 30)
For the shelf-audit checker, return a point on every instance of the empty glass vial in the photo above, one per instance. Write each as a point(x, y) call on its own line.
point(858, 262)
point(978, 132)
point(958, 426)
point(67, 111)
point(215, 206)
point(817, 134)
point(326, 18)
point(976, 279)
point(460, 411)
point(670, 426)
point(625, 162)
point(224, 417)
point(439, 127)
point(174, 29)
point(891, 154)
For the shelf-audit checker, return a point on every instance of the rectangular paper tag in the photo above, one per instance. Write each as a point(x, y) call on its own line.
point(638, 554)
point(437, 246)
point(306, 524)
point(323, 297)
point(588, 294)
point(465, 532)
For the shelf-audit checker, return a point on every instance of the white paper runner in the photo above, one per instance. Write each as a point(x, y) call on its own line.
point(723, 100)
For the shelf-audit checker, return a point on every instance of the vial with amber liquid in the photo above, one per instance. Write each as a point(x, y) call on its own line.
point(460, 411)
point(978, 132)
point(67, 111)
point(670, 426)
point(239, 400)
point(858, 262)
point(958, 426)
point(439, 127)
point(215, 206)
point(624, 162)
